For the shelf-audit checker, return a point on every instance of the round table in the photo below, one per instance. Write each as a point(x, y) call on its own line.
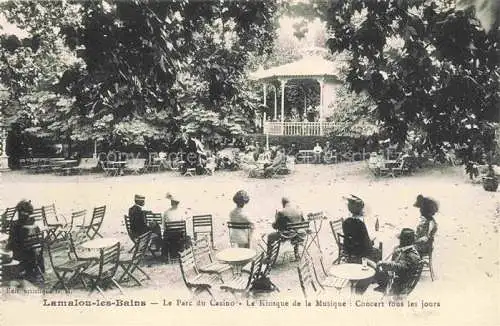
point(236, 257)
point(352, 272)
point(100, 243)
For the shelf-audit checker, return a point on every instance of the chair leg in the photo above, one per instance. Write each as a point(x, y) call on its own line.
point(143, 272)
point(117, 285)
point(431, 269)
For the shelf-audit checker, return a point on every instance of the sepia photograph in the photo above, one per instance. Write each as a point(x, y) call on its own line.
point(250, 162)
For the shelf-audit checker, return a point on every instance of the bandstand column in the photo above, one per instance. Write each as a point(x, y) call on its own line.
point(264, 115)
point(321, 101)
point(283, 84)
point(275, 103)
point(4, 159)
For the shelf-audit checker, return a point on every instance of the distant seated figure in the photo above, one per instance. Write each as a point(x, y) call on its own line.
point(427, 226)
point(278, 161)
point(239, 215)
point(30, 259)
point(289, 214)
point(139, 224)
point(318, 153)
point(357, 242)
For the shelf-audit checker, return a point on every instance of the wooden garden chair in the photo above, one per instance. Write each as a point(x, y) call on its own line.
point(308, 283)
point(66, 268)
point(103, 273)
point(92, 230)
point(236, 226)
point(203, 225)
point(427, 261)
point(242, 283)
point(336, 227)
point(109, 170)
point(297, 234)
point(52, 221)
point(401, 291)
point(175, 238)
point(130, 263)
point(7, 218)
point(204, 259)
point(195, 282)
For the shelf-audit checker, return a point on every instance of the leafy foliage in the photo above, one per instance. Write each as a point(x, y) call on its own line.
point(443, 77)
point(145, 68)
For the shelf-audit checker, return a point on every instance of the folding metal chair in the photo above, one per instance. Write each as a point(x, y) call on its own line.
point(66, 269)
point(202, 225)
point(195, 282)
point(130, 263)
point(96, 222)
point(103, 273)
point(242, 283)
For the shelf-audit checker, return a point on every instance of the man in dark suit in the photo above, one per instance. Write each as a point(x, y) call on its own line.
point(289, 214)
point(357, 242)
point(139, 224)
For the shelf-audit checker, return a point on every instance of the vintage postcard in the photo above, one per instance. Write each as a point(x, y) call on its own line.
point(202, 162)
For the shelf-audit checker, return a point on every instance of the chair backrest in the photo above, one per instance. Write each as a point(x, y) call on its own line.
point(409, 286)
point(109, 258)
point(155, 218)
point(203, 224)
point(175, 227)
point(96, 221)
point(202, 251)
point(255, 269)
point(187, 265)
point(33, 241)
point(336, 227)
point(306, 277)
point(37, 216)
point(7, 217)
point(298, 226)
point(126, 220)
point(316, 216)
point(59, 252)
point(140, 248)
point(78, 218)
point(232, 226)
point(50, 214)
point(271, 256)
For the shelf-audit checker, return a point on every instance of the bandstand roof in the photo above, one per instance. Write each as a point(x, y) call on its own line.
point(313, 67)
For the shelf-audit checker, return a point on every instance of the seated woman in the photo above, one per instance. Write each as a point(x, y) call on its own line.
point(31, 259)
point(427, 226)
point(240, 237)
point(357, 242)
point(173, 242)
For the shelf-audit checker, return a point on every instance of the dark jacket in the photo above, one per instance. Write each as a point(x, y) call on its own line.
point(406, 264)
point(29, 258)
point(138, 223)
point(357, 242)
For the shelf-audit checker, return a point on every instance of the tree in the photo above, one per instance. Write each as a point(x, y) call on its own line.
point(443, 78)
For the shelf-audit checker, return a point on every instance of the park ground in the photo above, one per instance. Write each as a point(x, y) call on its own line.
point(467, 254)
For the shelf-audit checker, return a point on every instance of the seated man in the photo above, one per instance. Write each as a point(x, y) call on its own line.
point(289, 214)
point(277, 162)
point(405, 263)
point(357, 242)
point(139, 224)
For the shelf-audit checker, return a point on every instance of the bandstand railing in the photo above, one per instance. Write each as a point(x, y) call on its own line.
point(297, 128)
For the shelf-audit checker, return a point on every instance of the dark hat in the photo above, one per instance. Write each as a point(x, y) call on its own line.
point(241, 197)
point(139, 197)
point(354, 203)
point(406, 237)
point(428, 205)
